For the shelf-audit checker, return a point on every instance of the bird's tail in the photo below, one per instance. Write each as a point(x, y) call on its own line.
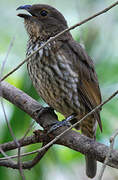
point(91, 166)
point(88, 128)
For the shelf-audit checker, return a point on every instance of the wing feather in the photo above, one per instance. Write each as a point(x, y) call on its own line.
point(88, 86)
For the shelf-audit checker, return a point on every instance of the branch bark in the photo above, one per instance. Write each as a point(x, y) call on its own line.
point(71, 139)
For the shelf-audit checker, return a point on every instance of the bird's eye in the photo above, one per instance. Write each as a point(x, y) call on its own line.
point(43, 13)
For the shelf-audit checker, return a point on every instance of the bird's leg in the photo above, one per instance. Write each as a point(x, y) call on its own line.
point(65, 122)
point(54, 125)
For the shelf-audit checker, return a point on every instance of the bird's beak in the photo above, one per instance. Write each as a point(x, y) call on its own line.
point(25, 7)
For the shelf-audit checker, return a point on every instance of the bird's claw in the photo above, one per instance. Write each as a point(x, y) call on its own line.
point(65, 122)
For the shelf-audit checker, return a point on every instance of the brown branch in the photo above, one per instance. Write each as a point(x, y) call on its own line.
point(59, 34)
point(71, 139)
point(27, 141)
point(27, 104)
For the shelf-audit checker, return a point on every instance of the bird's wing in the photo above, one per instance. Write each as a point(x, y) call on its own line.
point(88, 87)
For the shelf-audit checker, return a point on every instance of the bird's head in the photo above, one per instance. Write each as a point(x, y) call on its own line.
point(42, 21)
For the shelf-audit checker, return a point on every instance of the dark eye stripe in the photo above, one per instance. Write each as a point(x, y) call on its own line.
point(43, 13)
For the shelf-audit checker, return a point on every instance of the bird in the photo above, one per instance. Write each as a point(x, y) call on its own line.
point(62, 72)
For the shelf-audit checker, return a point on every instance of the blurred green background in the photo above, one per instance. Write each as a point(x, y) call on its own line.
point(100, 38)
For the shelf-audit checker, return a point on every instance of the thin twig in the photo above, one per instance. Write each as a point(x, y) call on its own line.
point(1, 72)
point(59, 34)
point(5, 155)
point(6, 57)
point(111, 140)
point(20, 165)
point(16, 142)
point(30, 127)
point(8, 124)
point(25, 165)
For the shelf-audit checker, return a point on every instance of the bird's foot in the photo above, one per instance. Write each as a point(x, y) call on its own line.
point(65, 122)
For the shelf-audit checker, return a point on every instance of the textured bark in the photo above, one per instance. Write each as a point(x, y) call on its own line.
point(71, 139)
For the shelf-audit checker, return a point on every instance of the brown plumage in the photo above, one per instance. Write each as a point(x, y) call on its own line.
point(62, 72)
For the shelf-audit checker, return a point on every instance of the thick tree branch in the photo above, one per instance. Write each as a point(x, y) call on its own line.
point(71, 139)
point(26, 103)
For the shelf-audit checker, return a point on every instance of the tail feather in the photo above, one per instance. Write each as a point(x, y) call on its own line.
point(91, 166)
point(88, 128)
